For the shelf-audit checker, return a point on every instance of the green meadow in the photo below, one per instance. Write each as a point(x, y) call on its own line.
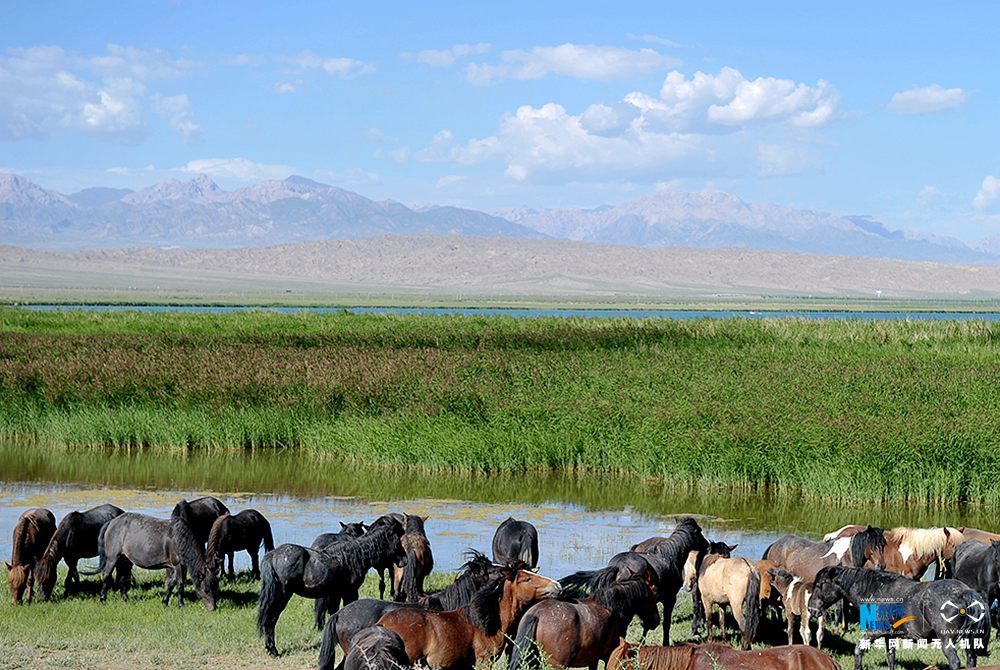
point(850, 410)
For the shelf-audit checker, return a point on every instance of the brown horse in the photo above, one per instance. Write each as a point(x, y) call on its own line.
point(734, 582)
point(714, 656)
point(977, 535)
point(475, 632)
point(32, 533)
point(795, 598)
point(579, 634)
point(910, 551)
point(408, 579)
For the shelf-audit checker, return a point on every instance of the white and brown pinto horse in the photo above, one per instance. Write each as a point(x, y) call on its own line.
point(910, 551)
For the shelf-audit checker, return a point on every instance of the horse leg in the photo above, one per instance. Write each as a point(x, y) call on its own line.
point(820, 625)
point(181, 572)
point(274, 610)
point(319, 611)
point(31, 584)
point(858, 652)
point(381, 583)
point(254, 564)
point(107, 580)
point(73, 576)
point(890, 658)
point(170, 579)
point(805, 630)
point(232, 573)
point(722, 622)
point(124, 575)
point(669, 600)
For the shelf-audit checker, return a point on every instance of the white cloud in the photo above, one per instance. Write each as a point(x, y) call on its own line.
point(989, 193)
point(705, 125)
point(653, 39)
point(285, 87)
point(176, 109)
point(342, 68)
point(926, 100)
point(448, 180)
point(580, 61)
point(446, 57)
point(240, 169)
point(928, 194)
point(48, 90)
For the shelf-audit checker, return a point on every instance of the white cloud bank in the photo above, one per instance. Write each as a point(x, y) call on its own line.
point(695, 125)
point(579, 61)
point(241, 169)
point(446, 57)
point(989, 193)
point(927, 100)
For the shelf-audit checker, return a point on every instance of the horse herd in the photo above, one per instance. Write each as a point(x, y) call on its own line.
point(500, 605)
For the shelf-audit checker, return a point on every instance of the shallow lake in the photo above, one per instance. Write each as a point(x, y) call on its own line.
point(582, 519)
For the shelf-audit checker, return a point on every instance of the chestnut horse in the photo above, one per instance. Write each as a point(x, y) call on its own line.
point(459, 639)
point(408, 579)
point(714, 656)
point(579, 634)
point(32, 532)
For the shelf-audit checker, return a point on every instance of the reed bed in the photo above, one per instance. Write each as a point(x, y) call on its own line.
point(854, 410)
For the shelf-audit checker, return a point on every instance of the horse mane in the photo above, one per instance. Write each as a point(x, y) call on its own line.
point(686, 536)
point(863, 578)
point(187, 545)
point(217, 534)
point(921, 541)
point(467, 583)
point(21, 539)
point(872, 537)
point(360, 553)
point(622, 597)
point(63, 537)
point(483, 611)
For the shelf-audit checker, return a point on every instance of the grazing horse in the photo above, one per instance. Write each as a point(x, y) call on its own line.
point(245, 531)
point(516, 540)
point(732, 581)
point(136, 539)
point(459, 639)
point(75, 538)
point(377, 648)
point(477, 572)
point(945, 609)
point(347, 530)
point(32, 533)
point(327, 576)
point(795, 598)
point(978, 565)
point(580, 633)
point(408, 580)
point(200, 514)
point(714, 656)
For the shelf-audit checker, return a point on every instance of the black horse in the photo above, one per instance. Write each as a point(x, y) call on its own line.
point(200, 514)
point(151, 543)
point(75, 538)
point(944, 609)
point(377, 648)
point(516, 540)
point(245, 531)
point(329, 576)
point(347, 530)
point(664, 557)
point(477, 572)
point(978, 565)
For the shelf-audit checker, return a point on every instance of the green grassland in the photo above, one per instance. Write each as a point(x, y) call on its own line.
point(142, 634)
point(854, 410)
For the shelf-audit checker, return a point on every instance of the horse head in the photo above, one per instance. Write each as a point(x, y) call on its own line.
point(17, 581)
point(45, 577)
point(827, 589)
point(206, 583)
point(525, 586)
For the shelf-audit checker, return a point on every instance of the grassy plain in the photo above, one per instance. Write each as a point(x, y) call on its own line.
point(142, 634)
point(860, 410)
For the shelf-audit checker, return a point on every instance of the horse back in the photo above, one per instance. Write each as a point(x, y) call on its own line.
point(438, 639)
point(634, 657)
point(144, 540)
point(32, 533)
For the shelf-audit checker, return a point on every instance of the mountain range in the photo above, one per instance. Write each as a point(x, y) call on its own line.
point(197, 213)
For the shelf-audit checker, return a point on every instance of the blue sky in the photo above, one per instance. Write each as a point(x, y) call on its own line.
point(887, 109)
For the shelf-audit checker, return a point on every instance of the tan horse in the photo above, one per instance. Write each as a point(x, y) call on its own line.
point(475, 632)
point(734, 582)
point(32, 533)
point(795, 597)
point(713, 656)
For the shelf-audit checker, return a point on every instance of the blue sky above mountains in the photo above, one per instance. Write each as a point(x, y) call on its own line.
point(887, 109)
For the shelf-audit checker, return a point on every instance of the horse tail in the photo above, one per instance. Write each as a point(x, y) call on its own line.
point(410, 586)
point(271, 593)
point(525, 647)
point(328, 648)
point(102, 558)
point(319, 609)
point(751, 606)
point(529, 557)
point(266, 536)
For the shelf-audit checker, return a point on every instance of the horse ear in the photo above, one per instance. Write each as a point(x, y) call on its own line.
point(732, 547)
point(9, 566)
point(424, 518)
point(947, 533)
point(343, 525)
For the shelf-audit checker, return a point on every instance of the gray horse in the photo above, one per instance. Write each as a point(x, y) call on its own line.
point(155, 543)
